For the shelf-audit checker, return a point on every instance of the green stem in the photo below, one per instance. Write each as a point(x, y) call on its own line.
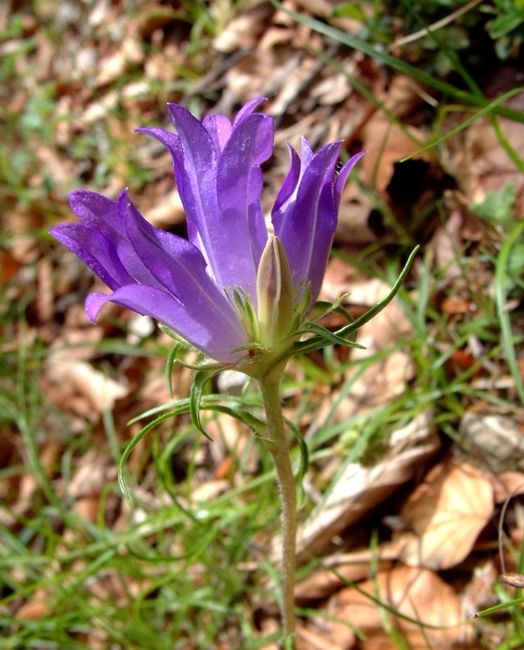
point(278, 447)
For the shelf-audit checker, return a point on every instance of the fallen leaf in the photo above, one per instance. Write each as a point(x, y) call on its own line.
point(507, 485)
point(496, 439)
point(361, 488)
point(447, 513)
point(79, 387)
point(413, 592)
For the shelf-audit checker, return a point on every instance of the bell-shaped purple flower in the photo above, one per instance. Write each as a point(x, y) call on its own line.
point(198, 287)
point(217, 170)
point(151, 272)
point(305, 211)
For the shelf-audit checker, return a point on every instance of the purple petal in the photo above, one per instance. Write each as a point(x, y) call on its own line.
point(95, 250)
point(194, 162)
point(167, 138)
point(172, 142)
point(290, 182)
point(96, 210)
point(219, 128)
point(109, 217)
point(248, 108)
point(241, 233)
point(306, 223)
point(217, 170)
point(180, 269)
point(195, 172)
point(202, 329)
point(344, 173)
point(222, 197)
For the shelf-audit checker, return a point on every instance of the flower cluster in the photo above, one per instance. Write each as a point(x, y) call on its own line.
point(206, 287)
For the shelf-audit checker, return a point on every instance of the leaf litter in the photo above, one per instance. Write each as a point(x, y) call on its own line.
point(434, 503)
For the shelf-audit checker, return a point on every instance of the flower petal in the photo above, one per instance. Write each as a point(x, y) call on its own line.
point(95, 250)
point(242, 234)
point(219, 128)
point(306, 223)
point(290, 183)
point(211, 335)
point(219, 180)
point(179, 268)
point(106, 216)
point(248, 108)
point(196, 162)
point(344, 173)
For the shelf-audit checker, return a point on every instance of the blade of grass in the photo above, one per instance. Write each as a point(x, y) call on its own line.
point(502, 311)
point(397, 64)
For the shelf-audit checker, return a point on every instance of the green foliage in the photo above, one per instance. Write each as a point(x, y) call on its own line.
point(498, 207)
point(502, 21)
point(507, 26)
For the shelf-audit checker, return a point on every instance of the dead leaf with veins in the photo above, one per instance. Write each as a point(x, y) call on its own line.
point(446, 513)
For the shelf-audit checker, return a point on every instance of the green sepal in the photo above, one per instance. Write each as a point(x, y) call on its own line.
point(171, 360)
point(256, 425)
point(318, 342)
point(195, 397)
point(174, 335)
point(239, 299)
point(304, 291)
point(182, 344)
point(183, 408)
point(203, 365)
point(322, 308)
point(373, 311)
point(333, 338)
point(250, 345)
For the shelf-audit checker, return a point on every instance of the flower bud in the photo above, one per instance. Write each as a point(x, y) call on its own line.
point(275, 294)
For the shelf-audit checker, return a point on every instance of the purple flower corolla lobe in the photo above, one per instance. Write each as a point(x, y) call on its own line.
point(305, 211)
point(217, 170)
point(152, 272)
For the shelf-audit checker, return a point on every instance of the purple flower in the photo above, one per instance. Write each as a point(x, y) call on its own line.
point(193, 286)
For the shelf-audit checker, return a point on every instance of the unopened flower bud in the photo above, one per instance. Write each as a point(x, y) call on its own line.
point(275, 293)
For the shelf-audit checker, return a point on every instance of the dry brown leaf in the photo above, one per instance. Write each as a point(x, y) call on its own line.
point(506, 485)
point(130, 53)
point(445, 243)
point(308, 639)
point(324, 9)
point(245, 30)
point(386, 379)
point(35, 609)
point(447, 513)
point(45, 297)
point(388, 144)
point(95, 470)
point(9, 267)
point(496, 439)
point(168, 211)
point(79, 387)
point(478, 593)
point(265, 70)
point(416, 593)
point(331, 90)
point(361, 488)
point(339, 569)
point(478, 161)
point(88, 508)
point(210, 490)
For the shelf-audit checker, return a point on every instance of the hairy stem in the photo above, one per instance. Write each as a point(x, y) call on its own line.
point(278, 447)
